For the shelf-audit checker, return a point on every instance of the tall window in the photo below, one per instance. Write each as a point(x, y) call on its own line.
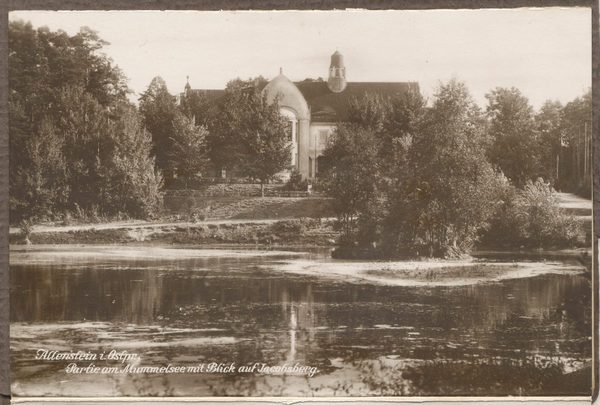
point(323, 137)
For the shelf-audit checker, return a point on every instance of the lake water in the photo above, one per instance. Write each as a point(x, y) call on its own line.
point(347, 338)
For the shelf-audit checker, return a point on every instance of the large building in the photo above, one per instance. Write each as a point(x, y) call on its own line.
point(314, 108)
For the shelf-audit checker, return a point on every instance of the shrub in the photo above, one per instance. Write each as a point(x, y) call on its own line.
point(547, 222)
point(531, 217)
point(290, 226)
point(26, 226)
point(67, 218)
point(295, 182)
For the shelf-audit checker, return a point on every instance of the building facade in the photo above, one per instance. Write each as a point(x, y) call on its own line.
point(314, 109)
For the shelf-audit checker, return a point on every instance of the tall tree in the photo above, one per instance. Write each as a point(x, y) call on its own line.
point(248, 134)
point(369, 111)
point(40, 182)
point(515, 148)
point(354, 153)
point(196, 106)
point(393, 120)
point(402, 125)
point(189, 155)
point(85, 127)
point(43, 62)
point(548, 122)
point(159, 109)
point(132, 183)
point(577, 145)
point(67, 106)
point(443, 195)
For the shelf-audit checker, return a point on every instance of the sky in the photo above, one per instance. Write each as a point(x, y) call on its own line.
point(545, 53)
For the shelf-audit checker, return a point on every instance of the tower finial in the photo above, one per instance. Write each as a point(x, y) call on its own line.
point(280, 71)
point(337, 73)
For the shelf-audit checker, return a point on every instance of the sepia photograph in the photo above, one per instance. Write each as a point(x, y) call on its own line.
point(301, 204)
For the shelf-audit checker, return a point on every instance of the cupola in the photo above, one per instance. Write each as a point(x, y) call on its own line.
point(187, 86)
point(337, 73)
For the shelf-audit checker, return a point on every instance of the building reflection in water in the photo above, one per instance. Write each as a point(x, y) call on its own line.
point(299, 318)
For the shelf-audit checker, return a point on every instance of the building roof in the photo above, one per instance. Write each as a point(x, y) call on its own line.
point(327, 106)
point(211, 95)
point(289, 95)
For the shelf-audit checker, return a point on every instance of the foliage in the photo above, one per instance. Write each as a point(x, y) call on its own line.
point(291, 226)
point(247, 134)
point(197, 106)
point(39, 182)
point(531, 217)
point(548, 124)
point(76, 143)
point(394, 120)
point(516, 145)
point(576, 153)
point(188, 155)
point(405, 115)
point(566, 144)
point(81, 160)
point(354, 177)
point(159, 109)
point(311, 80)
point(370, 111)
point(60, 86)
point(443, 194)
point(42, 62)
point(419, 180)
point(296, 182)
point(133, 184)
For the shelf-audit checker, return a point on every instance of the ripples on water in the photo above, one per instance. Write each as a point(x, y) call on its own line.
point(243, 310)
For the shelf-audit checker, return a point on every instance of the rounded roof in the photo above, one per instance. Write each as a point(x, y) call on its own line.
point(289, 95)
point(337, 60)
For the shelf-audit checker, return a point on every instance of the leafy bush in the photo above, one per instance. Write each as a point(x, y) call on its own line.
point(295, 182)
point(295, 226)
point(531, 217)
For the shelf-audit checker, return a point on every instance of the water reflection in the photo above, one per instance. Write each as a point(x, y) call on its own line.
point(254, 313)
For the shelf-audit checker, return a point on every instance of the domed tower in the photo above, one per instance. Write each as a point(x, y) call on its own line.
point(337, 73)
point(187, 86)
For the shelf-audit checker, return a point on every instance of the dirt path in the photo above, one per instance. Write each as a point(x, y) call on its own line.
point(574, 201)
point(251, 215)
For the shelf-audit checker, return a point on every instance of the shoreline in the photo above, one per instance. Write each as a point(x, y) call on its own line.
point(428, 273)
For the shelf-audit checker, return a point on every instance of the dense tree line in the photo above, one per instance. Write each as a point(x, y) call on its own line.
point(408, 178)
point(240, 132)
point(76, 144)
point(79, 147)
point(404, 173)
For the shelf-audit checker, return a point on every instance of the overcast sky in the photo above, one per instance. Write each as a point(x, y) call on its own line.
point(545, 53)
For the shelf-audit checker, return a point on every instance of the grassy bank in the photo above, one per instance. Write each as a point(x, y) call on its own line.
point(301, 232)
point(242, 207)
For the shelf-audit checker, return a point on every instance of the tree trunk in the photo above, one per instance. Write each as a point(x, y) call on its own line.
point(262, 189)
